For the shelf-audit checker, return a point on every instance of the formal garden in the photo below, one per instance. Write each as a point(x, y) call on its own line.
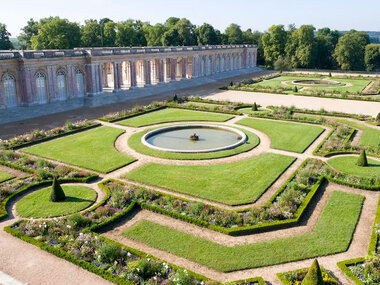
point(195, 191)
point(340, 86)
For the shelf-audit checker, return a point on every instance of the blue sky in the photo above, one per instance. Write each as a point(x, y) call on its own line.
point(258, 15)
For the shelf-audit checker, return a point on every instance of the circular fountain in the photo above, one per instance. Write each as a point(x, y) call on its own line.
point(315, 82)
point(194, 138)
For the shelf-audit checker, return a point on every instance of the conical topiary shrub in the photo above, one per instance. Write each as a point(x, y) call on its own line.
point(378, 118)
point(314, 275)
point(295, 89)
point(254, 107)
point(362, 160)
point(57, 194)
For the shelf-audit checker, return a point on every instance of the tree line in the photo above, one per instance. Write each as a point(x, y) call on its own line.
point(278, 47)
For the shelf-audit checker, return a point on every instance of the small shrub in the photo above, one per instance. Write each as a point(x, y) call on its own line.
point(362, 160)
point(57, 194)
point(295, 89)
point(314, 275)
point(78, 221)
point(330, 74)
point(109, 253)
point(254, 107)
point(231, 84)
point(378, 118)
point(175, 98)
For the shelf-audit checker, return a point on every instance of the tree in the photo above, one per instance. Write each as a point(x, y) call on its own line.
point(57, 194)
point(153, 34)
point(170, 38)
point(125, 34)
point(206, 35)
point(234, 34)
point(30, 30)
point(372, 57)
point(186, 32)
point(57, 34)
point(274, 41)
point(314, 275)
point(282, 63)
point(92, 33)
point(109, 34)
point(300, 48)
point(326, 41)
point(5, 42)
point(350, 50)
point(362, 160)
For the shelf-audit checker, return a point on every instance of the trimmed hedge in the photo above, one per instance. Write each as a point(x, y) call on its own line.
point(284, 281)
point(343, 265)
point(27, 144)
point(104, 119)
point(229, 231)
point(254, 280)
point(17, 167)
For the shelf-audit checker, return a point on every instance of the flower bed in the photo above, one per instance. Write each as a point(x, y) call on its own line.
point(38, 136)
point(295, 277)
point(111, 260)
point(41, 169)
point(284, 209)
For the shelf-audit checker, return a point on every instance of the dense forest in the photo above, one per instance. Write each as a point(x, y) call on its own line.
point(279, 47)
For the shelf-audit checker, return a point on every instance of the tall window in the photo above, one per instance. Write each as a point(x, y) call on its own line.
point(61, 85)
point(79, 82)
point(41, 88)
point(9, 84)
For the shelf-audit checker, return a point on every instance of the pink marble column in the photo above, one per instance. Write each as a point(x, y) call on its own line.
point(173, 69)
point(147, 73)
point(133, 74)
point(161, 70)
point(184, 67)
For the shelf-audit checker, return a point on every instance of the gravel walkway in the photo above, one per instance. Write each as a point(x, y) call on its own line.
point(37, 265)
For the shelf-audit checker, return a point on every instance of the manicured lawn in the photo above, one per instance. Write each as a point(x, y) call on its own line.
point(231, 183)
point(285, 136)
point(370, 137)
point(135, 143)
point(354, 85)
point(5, 176)
point(173, 115)
point(332, 234)
point(38, 205)
point(93, 149)
point(347, 164)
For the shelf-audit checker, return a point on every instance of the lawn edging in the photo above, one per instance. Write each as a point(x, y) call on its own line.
point(3, 204)
point(27, 144)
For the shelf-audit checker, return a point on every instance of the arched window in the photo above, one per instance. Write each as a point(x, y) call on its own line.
point(61, 85)
point(41, 88)
point(10, 94)
point(79, 82)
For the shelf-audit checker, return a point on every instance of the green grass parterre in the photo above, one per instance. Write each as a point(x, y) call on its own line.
point(93, 149)
point(38, 205)
point(347, 164)
point(294, 137)
point(173, 115)
point(332, 234)
point(234, 183)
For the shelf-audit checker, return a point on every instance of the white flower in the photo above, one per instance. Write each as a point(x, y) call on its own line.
point(68, 226)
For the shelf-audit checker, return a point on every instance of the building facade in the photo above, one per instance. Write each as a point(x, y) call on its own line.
point(39, 77)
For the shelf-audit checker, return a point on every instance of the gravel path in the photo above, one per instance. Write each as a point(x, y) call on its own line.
point(302, 102)
point(358, 247)
point(37, 264)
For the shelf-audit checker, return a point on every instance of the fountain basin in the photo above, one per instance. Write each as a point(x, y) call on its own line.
point(315, 82)
point(212, 138)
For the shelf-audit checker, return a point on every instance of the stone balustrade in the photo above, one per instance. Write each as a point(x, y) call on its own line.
point(41, 76)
